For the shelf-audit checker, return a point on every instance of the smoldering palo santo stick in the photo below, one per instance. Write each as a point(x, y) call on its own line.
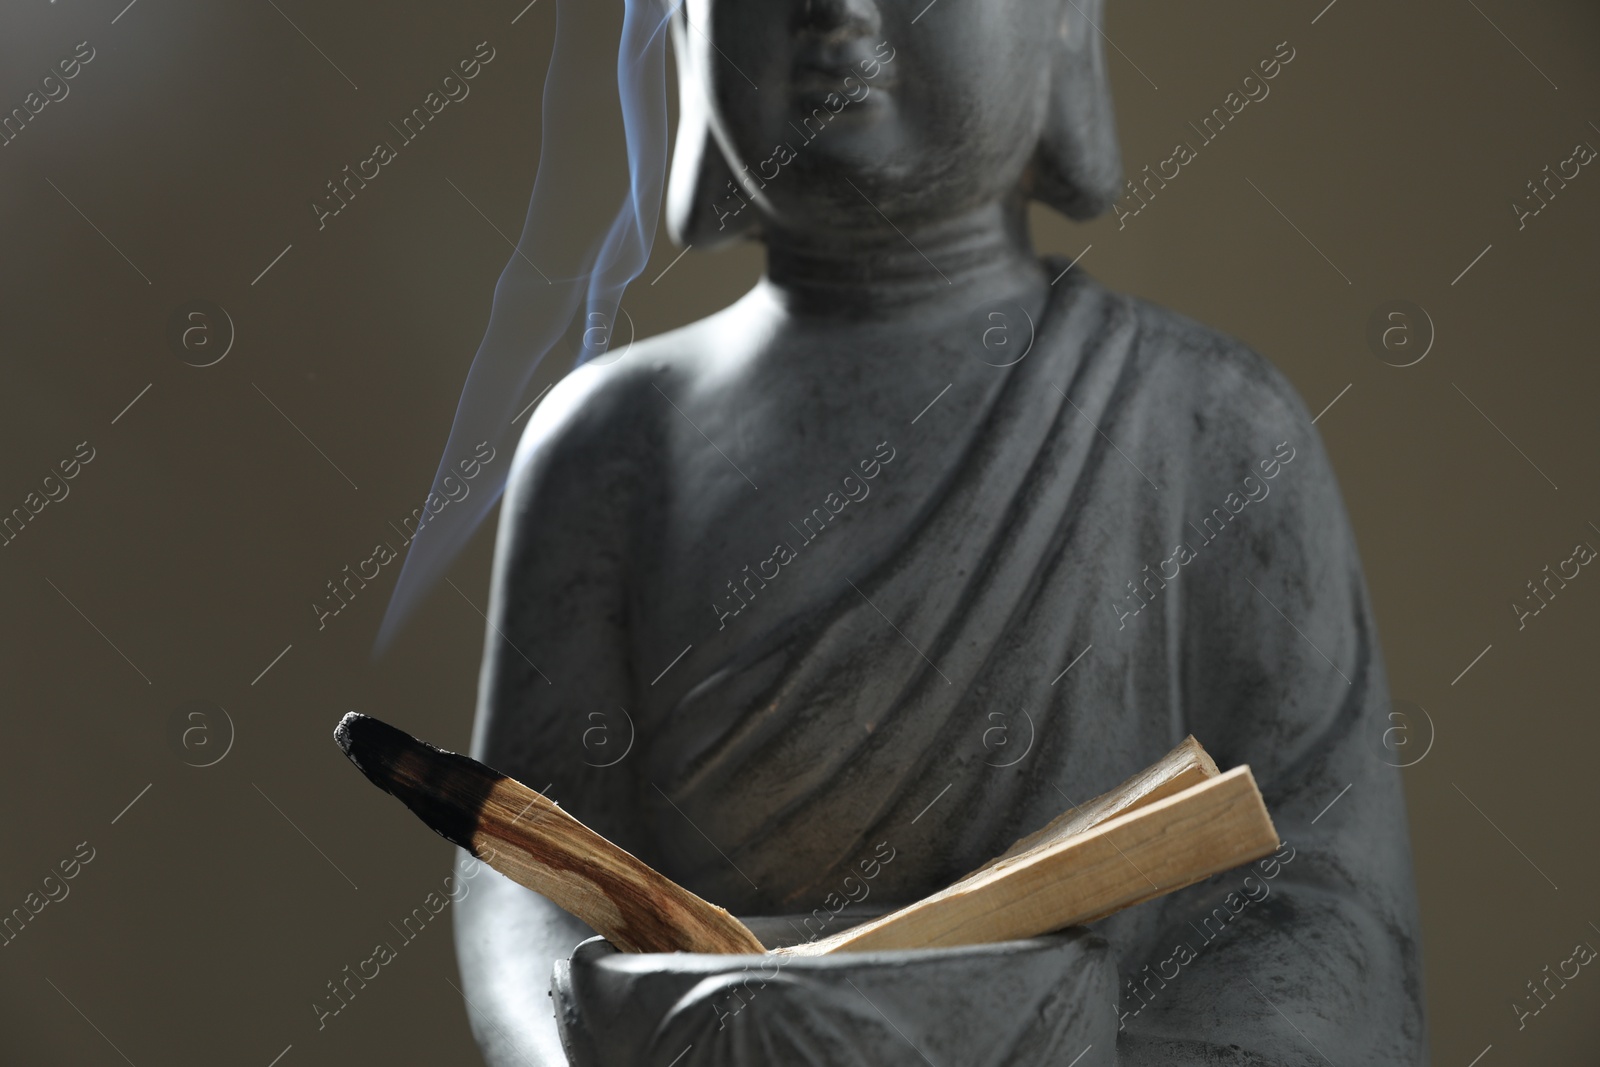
point(1168, 826)
point(529, 839)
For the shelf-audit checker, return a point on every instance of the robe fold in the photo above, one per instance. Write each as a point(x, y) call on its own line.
point(1143, 539)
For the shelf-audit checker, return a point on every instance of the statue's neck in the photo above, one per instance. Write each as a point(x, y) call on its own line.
point(885, 272)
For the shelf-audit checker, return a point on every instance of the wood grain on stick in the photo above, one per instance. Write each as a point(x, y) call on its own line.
point(1143, 853)
point(1186, 765)
point(529, 839)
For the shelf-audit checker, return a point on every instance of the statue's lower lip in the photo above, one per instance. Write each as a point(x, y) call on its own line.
point(825, 108)
point(820, 87)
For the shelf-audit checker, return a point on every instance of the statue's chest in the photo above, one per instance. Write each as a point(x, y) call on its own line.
point(779, 490)
point(752, 558)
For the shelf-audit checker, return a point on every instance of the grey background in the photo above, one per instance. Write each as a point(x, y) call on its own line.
point(188, 551)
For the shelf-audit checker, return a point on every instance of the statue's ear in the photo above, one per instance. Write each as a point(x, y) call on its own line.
point(705, 206)
point(1078, 167)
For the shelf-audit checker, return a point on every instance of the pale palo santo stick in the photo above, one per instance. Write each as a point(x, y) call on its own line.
point(530, 840)
point(1186, 765)
point(1144, 853)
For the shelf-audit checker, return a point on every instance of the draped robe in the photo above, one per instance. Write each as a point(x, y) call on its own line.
point(1035, 634)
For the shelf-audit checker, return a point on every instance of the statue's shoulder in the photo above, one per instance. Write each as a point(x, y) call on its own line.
point(1227, 390)
point(607, 411)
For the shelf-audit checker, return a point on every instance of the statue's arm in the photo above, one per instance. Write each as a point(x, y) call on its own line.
point(507, 940)
point(1312, 956)
point(555, 677)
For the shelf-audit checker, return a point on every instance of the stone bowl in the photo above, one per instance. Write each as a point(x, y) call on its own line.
point(1007, 1004)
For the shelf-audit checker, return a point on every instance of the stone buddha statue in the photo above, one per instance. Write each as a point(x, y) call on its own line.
point(926, 539)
